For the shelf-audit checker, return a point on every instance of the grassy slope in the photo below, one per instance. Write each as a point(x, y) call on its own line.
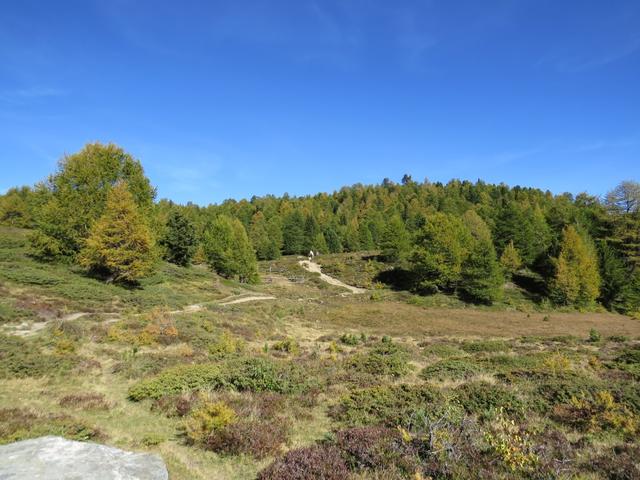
point(306, 310)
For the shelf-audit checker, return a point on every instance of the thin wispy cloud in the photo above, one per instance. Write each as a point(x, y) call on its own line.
point(31, 93)
point(569, 61)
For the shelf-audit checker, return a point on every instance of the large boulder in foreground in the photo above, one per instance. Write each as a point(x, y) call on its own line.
point(55, 458)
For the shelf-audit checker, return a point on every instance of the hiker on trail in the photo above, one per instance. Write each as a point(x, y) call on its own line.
point(311, 254)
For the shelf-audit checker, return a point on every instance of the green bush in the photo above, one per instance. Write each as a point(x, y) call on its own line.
point(450, 370)
point(386, 358)
point(20, 359)
point(390, 405)
point(562, 389)
point(443, 350)
point(254, 374)
point(489, 346)
point(485, 399)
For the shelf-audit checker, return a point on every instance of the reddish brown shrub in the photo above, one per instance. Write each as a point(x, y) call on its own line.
point(257, 438)
point(85, 401)
point(619, 464)
point(375, 447)
point(310, 463)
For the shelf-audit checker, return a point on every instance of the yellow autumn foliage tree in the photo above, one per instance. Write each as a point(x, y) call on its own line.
point(577, 279)
point(120, 245)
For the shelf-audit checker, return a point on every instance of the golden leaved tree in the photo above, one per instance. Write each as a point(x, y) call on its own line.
point(120, 244)
point(577, 277)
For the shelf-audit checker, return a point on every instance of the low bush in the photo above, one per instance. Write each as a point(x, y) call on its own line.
point(618, 463)
point(20, 359)
point(385, 358)
point(252, 374)
point(85, 401)
point(443, 350)
point(486, 400)
point(452, 369)
point(207, 419)
point(21, 423)
point(489, 346)
point(309, 463)
point(254, 437)
point(562, 389)
point(597, 414)
point(389, 405)
point(288, 345)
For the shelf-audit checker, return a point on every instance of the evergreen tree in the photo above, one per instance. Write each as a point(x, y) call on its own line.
point(351, 237)
point(293, 233)
point(481, 278)
point(441, 247)
point(179, 239)
point(229, 251)
point(577, 278)
point(265, 237)
point(333, 240)
point(396, 241)
point(615, 275)
point(120, 244)
point(510, 260)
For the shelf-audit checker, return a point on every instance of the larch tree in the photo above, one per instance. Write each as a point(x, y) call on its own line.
point(120, 245)
point(441, 247)
point(510, 260)
point(76, 196)
point(577, 279)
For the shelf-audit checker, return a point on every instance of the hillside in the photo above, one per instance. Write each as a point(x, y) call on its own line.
point(308, 361)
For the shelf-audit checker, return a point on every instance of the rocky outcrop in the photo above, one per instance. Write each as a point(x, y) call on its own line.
point(55, 458)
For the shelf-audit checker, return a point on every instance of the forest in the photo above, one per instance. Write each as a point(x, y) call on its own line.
point(459, 238)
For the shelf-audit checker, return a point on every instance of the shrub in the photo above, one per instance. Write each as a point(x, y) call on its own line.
point(85, 401)
point(176, 380)
point(511, 445)
point(450, 370)
point(600, 413)
point(253, 374)
point(20, 359)
point(310, 463)
point(288, 345)
point(594, 336)
point(207, 419)
point(389, 405)
point(486, 346)
point(350, 339)
point(443, 350)
point(21, 423)
point(257, 438)
point(619, 463)
point(563, 389)
point(226, 344)
point(375, 448)
point(485, 400)
point(386, 358)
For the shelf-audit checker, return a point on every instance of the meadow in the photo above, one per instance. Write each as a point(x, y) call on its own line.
point(315, 382)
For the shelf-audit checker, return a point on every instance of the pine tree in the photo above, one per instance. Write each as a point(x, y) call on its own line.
point(510, 260)
point(481, 277)
point(120, 244)
point(577, 278)
point(333, 240)
point(293, 233)
point(229, 251)
point(396, 241)
point(179, 239)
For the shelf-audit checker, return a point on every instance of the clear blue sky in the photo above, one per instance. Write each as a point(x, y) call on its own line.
point(236, 98)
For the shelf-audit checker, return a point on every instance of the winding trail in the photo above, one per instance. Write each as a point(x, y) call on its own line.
point(315, 268)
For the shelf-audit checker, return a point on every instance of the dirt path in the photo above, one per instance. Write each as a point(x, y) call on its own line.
point(26, 329)
point(254, 298)
point(314, 267)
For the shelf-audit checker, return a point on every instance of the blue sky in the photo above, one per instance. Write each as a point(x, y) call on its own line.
point(240, 98)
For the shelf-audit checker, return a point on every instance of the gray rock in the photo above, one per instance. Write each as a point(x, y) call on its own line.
point(55, 458)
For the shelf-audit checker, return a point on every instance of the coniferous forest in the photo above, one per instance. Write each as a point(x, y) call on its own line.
point(463, 238)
